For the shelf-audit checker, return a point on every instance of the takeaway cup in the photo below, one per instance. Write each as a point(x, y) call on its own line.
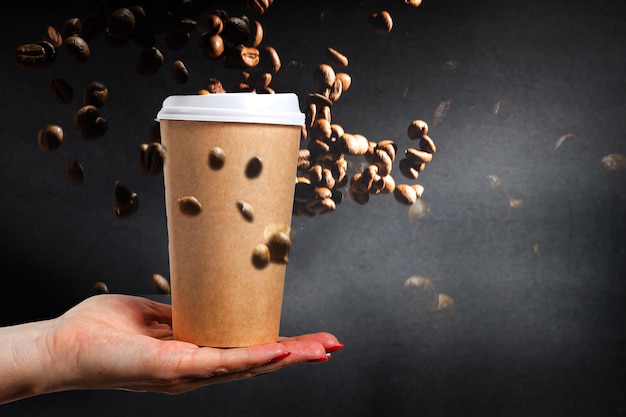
point(229, 174)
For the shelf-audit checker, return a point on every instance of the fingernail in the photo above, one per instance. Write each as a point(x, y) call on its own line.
point(335, 348)
point(281, 356)
point(322, 359)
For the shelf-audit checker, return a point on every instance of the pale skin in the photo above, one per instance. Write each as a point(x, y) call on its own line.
point(113, 341)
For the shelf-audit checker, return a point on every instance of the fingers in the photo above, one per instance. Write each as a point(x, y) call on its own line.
point(327, 340)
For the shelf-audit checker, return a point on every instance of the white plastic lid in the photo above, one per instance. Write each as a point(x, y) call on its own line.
point(279, 108)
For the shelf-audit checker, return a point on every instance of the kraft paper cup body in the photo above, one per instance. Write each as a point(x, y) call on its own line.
point(220, 297)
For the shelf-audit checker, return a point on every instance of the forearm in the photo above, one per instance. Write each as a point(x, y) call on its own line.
point(25, 361)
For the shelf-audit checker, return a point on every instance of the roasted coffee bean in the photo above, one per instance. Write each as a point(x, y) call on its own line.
point(236, 31)
point(89, 123)
point(50, 137)
point(241, 57)
point(98, 287)
point(215, 24)
point(405, 194)
point(95, 94)
point(336, 90)
point(279, 244)
point(72, 26)
point(417, 129)
point(149, 61)
point(53, 36)
point(323, 77)
point(256, 34)
point(413, 3)
point(121, 23)
point(417, 156)
point(260, 256)
point(189, 205)
point(426, 144)
point(212, 46)
point(381, 22)
point(125, 201)
point(215, 86)
point(254, 167)
point(151, 157)
point(269, 59)
point(258, 6)
point(246, 210)
point(353, 144)
point(77, 48)
point(160, 284)
point(335, 58)
point(74, 172)
point(345, 79)
point(61, 90)
point(179, 72)
point(319, 100)
point(35, 55)
point(217, 158)
point(408, 169)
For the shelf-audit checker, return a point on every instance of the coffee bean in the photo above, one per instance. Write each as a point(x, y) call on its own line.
point(258, 6)
point(426, 144)
point(35, 55)
point(417, 129)
point(269, 59)
point(256, 34)
point(413, 3)
point(77, 48)
point(125, 200)
point(417, 156)
point(71, 27)
point(151, 157)
point(53, 36)
point(74, 172)
point(241, 57)
point(212, 46)
point(121, 23)
point(98, 287)
point(408, 169)
point(246, 210)
point(236, 31)
point(254, 167)
point(61, 90)
point(160, 284)
point(260, 256)
point(336, 90)
point(50, 137)
point(405, 194)
point(95, 94)
point(89, 123)
point(345, 79)
point(217, 158)
point(149, 61)
point(179, 72)
point(189, 206)
point(336, 58)
point(279, 244)
point(323, 77)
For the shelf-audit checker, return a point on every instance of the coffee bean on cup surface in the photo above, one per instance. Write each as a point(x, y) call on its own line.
point(35, 55)
point(61, 90)
point(279, 244)
point(246, 210)
point(217, 158)
point(254, 167)
point(126, 201)
point(261, 256)
point(74, 172)
point(160, 284)
point(149, 61)
point(179, 72)
point(50, 137)
point(78, 48)
point(189, 205)
point(95, 94)
point(381, 22)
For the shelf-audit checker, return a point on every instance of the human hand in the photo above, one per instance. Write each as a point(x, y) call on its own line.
point(113, 341)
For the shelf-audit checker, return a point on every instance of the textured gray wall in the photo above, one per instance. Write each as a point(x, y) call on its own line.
point(539, 289)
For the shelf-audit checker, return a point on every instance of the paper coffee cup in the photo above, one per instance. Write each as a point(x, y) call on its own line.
point(229, 175)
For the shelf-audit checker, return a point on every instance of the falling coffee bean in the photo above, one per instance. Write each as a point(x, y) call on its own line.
point(260, 256)
point(53, 36)
point(89, 123)
point(99, 287)
point(179, 72)
point(50, 137)
point(126, 200)
point(149, 61)
point(189, 205)
point(95, 94)
point(151, 157)
point(254, 167)
point(121, 23)
point(35, 55)
point(246, 210)
point(61, 90)
point(78, 48)
point(74, 172)
point(279, 244)
point(160, 284)
point(217, 158)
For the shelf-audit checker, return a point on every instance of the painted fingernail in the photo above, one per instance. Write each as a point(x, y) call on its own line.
point(335, 348)
point(322, 359)
point(281, 356)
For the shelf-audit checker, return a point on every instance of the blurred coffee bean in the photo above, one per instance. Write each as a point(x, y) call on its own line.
point(149, 61)
point(413, 3)
point(121, 23)
point(236, 31)
point(98, 287)
point(61, 90)
point(50, 137)
point(53, 36)
point(71, 27)
point(408, 169)
point(279, 244)
point(215, 24)
point(179, 72)
point(254, 167)
point(77, 48)
point(269, 59)
point(246, 210)
point(260, 256)
point(381, 22)
point(405, 194)
point(189, 205)
point(417, 156)
point(151, 157)
point(345, 79)
point(217, 158)
point(126, 201)
point(89, 123)
point(323, 77)
point(35, 55)
point(417, 129)
point(258, 6)
point(95, 94)
point(335, 58)
point(160, 284)
point(74, 172)
point(256, 34)
point(241, 57)
point(426, 144)
point(212, 45)
point(215, 86)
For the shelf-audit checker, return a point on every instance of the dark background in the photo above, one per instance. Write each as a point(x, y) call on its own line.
point(538, 289)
